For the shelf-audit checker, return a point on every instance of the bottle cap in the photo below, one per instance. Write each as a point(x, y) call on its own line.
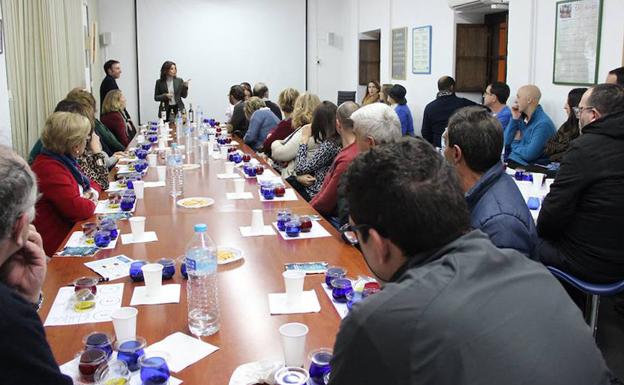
point(200, 228)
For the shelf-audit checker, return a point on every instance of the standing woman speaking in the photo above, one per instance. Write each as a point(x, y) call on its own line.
point(170, 89)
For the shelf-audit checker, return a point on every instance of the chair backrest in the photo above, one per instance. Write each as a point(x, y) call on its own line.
point(607, 289)
point(345, 96)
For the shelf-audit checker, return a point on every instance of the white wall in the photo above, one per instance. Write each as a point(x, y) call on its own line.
point(5, 115)
point(531, 47)
point(330, 66)
point(117, 17)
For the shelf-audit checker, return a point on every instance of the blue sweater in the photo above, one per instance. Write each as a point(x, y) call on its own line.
point(535, 134)
point(405, 116)
point(498, 209)
point(260, 123)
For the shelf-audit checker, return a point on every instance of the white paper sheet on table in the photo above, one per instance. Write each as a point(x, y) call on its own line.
point(168, 294)
point(71, 369)
point(102, 208)
point(112, 268)
point(183, 350)
point(341, 308)
point(246, 231)
point(308, 303)
point(148, 236)
point(126, 159)
point(124, 169)
point(228, 176)
point(77, 240)
point(108, 299)
point(317, 231)
point(236, 196)
point(154, 184)
point(288, 196)
point(115, 186)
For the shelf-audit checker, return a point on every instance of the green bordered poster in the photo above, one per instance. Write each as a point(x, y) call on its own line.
point(421, 50)
point(577, 42)
point(399, 53)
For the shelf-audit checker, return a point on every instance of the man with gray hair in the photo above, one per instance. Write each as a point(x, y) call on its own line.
point(375, 124)
point(326, 201)
point(262, 91)
point(22, 271)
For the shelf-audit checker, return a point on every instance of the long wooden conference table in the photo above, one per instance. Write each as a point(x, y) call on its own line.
point(248, 331)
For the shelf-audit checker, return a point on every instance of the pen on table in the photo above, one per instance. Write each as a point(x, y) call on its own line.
point(100, 280)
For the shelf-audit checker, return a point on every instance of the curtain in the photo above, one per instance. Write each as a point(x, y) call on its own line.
point(45, 45)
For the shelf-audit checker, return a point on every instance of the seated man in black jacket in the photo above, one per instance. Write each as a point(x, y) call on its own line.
point(581, 222)
point(262, 91)
point(438, 112)
point(25, 357)
point(455, 309)
point(238, 122)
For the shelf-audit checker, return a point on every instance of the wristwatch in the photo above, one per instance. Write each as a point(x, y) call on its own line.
point(37, 306)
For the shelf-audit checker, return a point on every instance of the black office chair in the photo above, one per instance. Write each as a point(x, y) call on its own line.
point(346, 96)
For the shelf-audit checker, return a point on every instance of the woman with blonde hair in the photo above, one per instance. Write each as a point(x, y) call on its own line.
point(67, 195)
point(261, 121)
point(283, 152)
point(113, 117)
point(110, 144)
point(286, 101)
point(372, 93)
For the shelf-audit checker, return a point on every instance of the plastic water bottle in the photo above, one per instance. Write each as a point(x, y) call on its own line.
point(201, 266)
point(175, 171)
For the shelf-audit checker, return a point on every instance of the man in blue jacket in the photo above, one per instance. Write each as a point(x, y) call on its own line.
point(474, 140)
point(529, 129)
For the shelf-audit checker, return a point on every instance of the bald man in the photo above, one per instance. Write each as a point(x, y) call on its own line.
point(529, 129)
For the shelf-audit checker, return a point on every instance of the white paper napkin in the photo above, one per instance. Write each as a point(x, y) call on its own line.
point(148, 236)
point(154, 184)
point(317, 231)
point(228, 176)
point(168, 294)
point(77, 240)
point(108, 299)
point(288, 196)
point(247, 232)
point(183, 350)
point(308, 303)
point(102, 208)
point(235, 196)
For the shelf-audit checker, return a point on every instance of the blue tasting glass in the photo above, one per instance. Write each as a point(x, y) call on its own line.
point(237, 158)
point(267, 190)
point(99, 340)
point(154, 371)
point(129, 351)
point(126, 203)
point(293, 227)
point(182, 261)
point(519, 175)
point(147, 146)
point(168, 270)
point(251, 171)
point(319, 365)
point(341, 286)
point(533, 203)
point(153, 138)
point(332, 273)
point(102, 238)
point(141, 153)
point(136, 274)
point(110, 226)
point(283, 216)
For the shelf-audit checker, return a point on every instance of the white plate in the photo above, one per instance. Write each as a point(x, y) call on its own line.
point(238, 254)
point(195, 202)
